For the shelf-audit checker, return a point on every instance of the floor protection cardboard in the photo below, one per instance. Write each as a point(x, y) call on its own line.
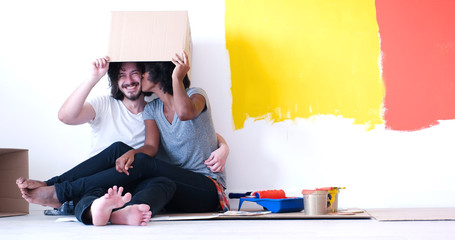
point(412, 214)
point(259, 215)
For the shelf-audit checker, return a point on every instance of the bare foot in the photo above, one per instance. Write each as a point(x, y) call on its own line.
point(102, 207)
point(44, 196)
point(27, 184)
point(138, 215)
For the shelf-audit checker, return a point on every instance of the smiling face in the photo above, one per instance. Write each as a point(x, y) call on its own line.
point(129, 81)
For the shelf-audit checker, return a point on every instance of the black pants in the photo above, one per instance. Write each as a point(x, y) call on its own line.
point(194, 192)
point(155, 192)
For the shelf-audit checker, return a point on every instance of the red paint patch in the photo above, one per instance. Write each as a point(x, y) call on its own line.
point(418, 45)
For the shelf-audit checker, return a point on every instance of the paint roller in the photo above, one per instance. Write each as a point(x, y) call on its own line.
point(272, 194)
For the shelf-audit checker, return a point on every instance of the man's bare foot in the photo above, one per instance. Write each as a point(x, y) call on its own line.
point(44, 196)
point(138, 215)
point(27, 184)
point(102, 207)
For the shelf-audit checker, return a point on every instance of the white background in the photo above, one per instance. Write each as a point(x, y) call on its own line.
point(46, 48)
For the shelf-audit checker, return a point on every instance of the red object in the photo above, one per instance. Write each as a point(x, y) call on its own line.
point(273, 194)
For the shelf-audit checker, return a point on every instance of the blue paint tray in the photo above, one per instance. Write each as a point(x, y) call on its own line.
point(293, 204)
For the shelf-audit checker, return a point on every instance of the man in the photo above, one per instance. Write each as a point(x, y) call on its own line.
point(113, 118)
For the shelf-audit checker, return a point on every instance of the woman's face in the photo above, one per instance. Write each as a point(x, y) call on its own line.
point(147, 85)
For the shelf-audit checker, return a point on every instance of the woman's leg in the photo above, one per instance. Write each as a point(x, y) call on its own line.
point(82, 208)
point(102, 161)
point(194, 191)
point(155, 192)
point(97, 209)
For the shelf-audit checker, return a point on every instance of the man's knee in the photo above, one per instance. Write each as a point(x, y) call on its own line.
point(120, 145)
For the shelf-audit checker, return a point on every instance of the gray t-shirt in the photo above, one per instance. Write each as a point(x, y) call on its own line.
point(187, 143)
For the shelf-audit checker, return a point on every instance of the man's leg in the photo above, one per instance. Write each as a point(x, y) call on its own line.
point(102, 161)
point(50, 196)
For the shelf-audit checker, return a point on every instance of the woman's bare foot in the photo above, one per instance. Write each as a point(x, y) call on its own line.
point(138, 215)
point(102, 207)
point(44, 196)
point(27, 184)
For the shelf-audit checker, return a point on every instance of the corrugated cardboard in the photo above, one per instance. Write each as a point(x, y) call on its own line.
point(253, 216)
point(13, 164)
point(149, 35)
point(413, 214)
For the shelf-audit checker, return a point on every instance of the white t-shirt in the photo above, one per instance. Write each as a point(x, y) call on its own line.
point(113, 123)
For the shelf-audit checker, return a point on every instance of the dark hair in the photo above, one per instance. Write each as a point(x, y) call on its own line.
point(161, 72)
point(113, 73)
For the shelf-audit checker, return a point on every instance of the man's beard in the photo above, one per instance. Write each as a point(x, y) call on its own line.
point(133, 97)
point(129, 96)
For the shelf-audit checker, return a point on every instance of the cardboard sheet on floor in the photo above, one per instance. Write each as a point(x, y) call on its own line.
point(254, 216)
point(412, 214)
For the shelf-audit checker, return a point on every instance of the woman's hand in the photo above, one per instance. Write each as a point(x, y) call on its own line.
point(123, 163)
point(182, 66)
point(217, 159)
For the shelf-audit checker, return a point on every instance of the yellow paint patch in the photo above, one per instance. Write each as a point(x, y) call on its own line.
point(305, 57)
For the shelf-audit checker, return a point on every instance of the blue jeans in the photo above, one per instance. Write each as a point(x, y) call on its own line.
point(194, 192)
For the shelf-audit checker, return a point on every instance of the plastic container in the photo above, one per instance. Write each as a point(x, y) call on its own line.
point(291, 204)
point(315, 202)
point(332, 198)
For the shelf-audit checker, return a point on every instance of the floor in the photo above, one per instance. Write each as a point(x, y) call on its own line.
point(38, 226)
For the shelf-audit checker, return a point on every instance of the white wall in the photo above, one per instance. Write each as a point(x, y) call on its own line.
point(45, 47)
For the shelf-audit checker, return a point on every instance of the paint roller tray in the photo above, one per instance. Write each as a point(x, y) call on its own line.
point(292, 204)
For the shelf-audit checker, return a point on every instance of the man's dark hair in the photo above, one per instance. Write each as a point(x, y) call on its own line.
point(161, 72)
point(113, 74)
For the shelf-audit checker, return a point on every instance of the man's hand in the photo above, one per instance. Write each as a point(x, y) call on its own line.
point(123, 163)
point(100, 67)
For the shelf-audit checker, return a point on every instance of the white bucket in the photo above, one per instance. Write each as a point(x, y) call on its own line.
point(315, 202)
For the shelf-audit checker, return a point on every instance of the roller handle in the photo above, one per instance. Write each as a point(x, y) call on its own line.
point(239, 195)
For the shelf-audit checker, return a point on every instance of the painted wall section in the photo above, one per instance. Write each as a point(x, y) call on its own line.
point(418, 45)
point(302, 58)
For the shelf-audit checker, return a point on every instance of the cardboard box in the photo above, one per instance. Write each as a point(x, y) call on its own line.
point(13, 164)
point(149, 36)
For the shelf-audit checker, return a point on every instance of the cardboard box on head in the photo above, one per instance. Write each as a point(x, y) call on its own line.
point(13, 164)
point(147, 36)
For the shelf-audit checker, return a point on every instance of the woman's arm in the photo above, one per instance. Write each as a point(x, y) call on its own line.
point(150, 147)
point(187, 108)
point(217, 160)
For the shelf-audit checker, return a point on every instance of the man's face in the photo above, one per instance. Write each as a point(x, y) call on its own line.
point(129, 81)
